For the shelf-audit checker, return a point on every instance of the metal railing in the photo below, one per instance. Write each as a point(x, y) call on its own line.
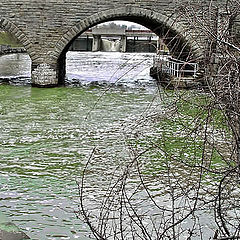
point(175, 67)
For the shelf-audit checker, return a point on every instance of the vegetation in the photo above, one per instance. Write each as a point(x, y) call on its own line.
point(191, 183)
point(8, 39)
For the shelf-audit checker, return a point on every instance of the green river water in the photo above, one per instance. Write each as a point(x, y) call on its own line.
point(46, 136)
point(112, 105)
point(45, 141)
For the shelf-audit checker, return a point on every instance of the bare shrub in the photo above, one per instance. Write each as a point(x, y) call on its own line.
point(182, 183)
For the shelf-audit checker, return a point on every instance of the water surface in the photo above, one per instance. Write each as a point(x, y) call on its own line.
point(46, 135)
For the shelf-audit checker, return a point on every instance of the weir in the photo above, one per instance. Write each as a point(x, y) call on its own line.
point(110, 45)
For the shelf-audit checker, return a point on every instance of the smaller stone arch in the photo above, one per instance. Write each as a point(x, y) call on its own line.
point(19, 34)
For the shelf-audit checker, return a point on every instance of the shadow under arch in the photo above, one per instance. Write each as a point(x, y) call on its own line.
point(18, 34)
point(175, 35)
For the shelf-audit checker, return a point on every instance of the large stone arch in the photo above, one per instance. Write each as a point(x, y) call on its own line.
point(19, 34)
point(178, 36)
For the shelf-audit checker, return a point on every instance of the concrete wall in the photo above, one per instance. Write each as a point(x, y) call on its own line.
point(82, 44)
point(141, 46)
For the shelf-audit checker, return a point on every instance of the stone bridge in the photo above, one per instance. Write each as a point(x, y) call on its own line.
point(46, 28)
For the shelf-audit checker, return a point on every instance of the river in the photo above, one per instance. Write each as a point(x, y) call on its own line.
point(47, 135)
point(112, 105)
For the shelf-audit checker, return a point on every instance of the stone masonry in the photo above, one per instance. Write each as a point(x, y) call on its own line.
point(46, 28)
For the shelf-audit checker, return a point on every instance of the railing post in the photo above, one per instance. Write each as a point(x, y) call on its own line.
point(195, 70)
point(177, 69)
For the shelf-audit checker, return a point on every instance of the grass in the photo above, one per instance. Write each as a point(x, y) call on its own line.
point(8, 39)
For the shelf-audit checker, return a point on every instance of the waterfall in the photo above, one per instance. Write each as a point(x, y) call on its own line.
point(111, 45)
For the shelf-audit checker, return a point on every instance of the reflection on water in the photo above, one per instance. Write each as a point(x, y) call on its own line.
point(45, 138)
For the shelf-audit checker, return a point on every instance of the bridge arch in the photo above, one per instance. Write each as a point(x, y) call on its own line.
point(182, 45)
point(19, 34)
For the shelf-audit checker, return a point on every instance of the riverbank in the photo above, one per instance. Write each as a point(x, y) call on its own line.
point(8, 39)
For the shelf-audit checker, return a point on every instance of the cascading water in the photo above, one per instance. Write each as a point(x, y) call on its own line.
point(111, 45)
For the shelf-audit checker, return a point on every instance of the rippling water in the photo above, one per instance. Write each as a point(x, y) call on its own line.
point(98, 68)
point(46, 135)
